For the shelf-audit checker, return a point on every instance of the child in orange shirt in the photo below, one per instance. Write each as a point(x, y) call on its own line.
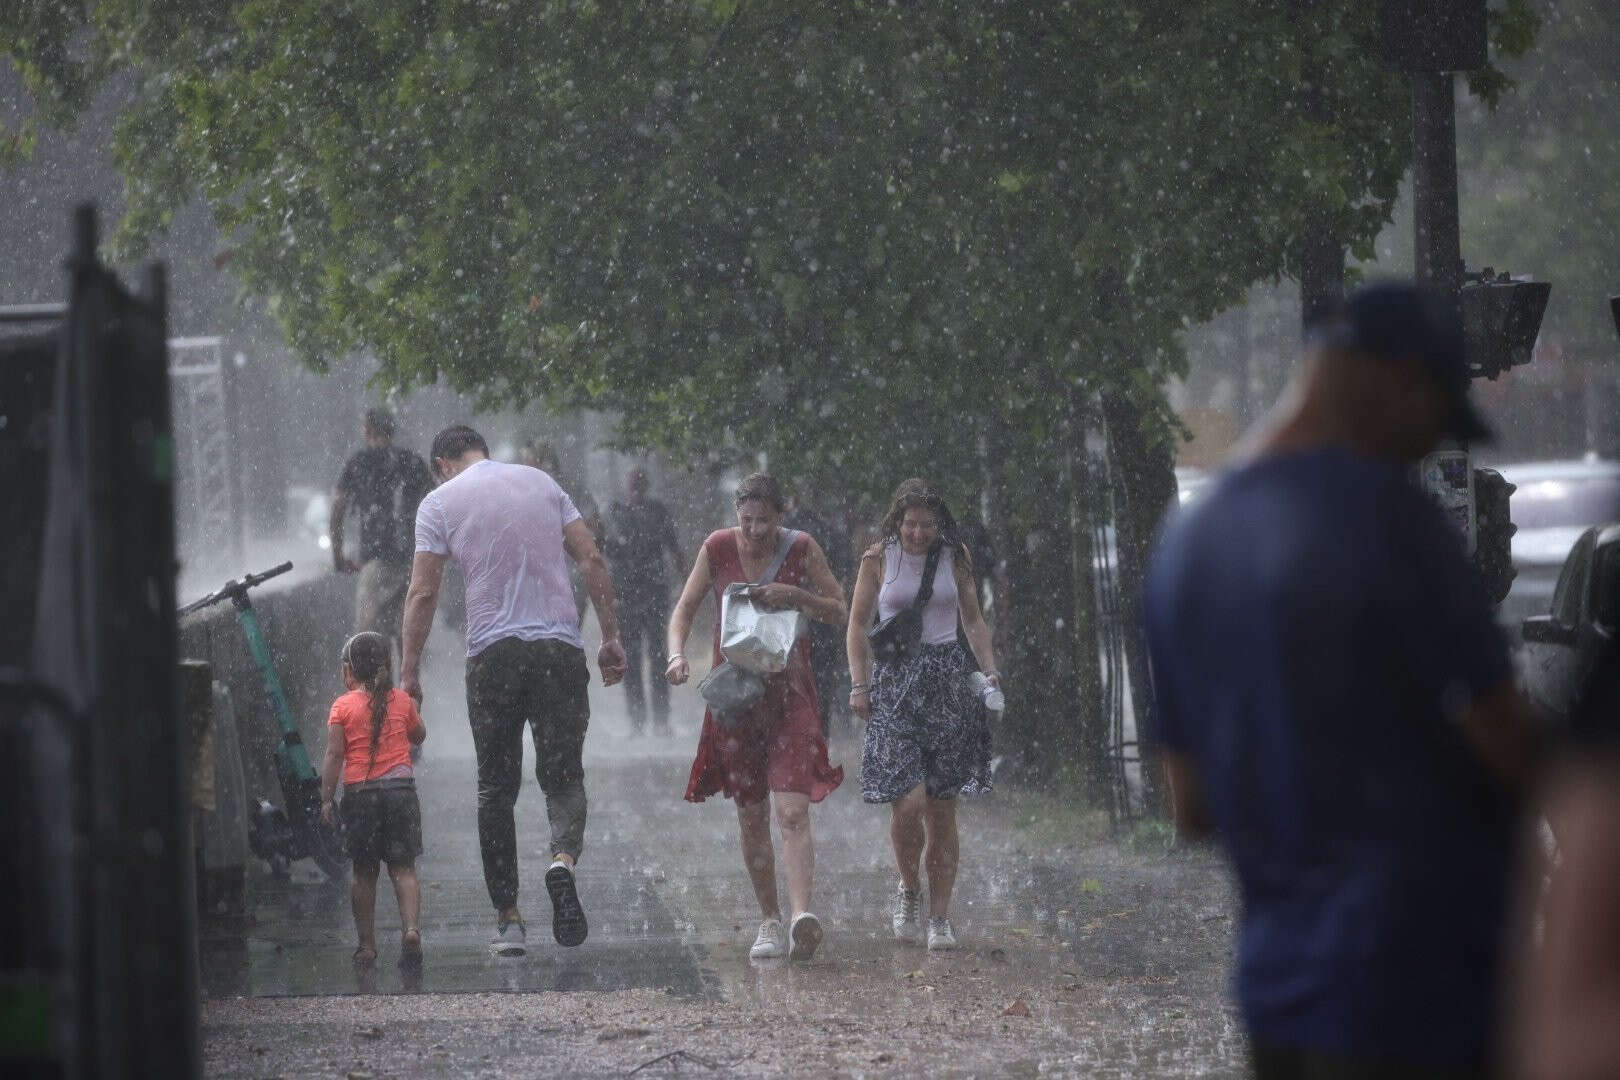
point(368, 742)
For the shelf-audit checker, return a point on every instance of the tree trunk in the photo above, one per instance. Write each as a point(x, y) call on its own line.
point(1321, 269)
point(1144, 469)
point(1036, 733)
point(1090, 719)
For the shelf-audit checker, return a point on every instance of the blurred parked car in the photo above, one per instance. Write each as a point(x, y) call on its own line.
point(1562, 645)
point(1556, 502)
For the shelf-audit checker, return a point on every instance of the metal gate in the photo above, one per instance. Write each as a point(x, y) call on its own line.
point(207, 492)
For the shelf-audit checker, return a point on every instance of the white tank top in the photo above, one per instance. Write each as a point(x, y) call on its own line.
point(902, 575)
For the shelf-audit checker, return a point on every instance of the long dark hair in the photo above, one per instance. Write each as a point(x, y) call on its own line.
point(370, 660)
point(916, 493)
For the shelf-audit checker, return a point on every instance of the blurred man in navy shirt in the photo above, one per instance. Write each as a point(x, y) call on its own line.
point(1336, 704)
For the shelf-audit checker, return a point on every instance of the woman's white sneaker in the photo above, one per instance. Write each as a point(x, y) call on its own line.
point(940, 937)
point(806, 934)
point(907, 919)
point(770, 943)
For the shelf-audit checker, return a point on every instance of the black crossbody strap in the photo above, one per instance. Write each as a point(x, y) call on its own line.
point(925, 591)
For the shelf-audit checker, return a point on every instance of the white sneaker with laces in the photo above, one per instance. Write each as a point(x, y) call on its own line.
point(907, 917)
point(508, 939)
point(771, 942)
point(806, 934)
point(940, 937)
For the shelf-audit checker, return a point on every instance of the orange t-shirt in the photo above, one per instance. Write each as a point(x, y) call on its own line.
point(351, 719)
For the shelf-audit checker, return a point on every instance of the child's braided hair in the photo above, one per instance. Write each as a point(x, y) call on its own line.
point(369, 658)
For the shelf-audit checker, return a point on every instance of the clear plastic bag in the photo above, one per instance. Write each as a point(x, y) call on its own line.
point(753, 638)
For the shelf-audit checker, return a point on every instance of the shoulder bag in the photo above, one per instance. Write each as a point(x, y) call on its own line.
point(897, 638)
point(751, 639)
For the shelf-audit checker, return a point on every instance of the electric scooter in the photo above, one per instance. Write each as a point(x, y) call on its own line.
point(276, 835)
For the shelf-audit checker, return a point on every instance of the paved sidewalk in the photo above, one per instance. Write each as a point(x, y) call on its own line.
point(1117, 956)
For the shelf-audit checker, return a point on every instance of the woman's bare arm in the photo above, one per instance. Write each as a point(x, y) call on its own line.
point(856, 642)
point(680, 620)
point(973, 624)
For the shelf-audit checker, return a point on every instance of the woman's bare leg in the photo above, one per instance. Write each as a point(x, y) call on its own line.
point(408, 891)
point(907, 835)
point(363, 899)
point(798, 848)
point(759, 856)
point(942, 855)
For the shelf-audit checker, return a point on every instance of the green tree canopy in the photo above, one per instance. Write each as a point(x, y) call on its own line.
point(796, 225)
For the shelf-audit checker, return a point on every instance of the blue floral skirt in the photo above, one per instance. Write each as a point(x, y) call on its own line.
point(926, 728)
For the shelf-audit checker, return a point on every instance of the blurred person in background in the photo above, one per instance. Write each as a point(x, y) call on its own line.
point(1569, 1000)
point(927, 737)
point(826, 641)
point(775, 750)
point(640, 532)
point(1337, 706)
point(538, 455)
point(383, 484)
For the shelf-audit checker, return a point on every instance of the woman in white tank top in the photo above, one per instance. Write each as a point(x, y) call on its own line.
point(927, 738)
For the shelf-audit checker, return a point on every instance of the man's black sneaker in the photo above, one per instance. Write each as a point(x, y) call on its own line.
point(567, 916)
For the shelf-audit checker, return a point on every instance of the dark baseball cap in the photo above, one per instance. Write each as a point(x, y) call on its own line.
point(1399, 318)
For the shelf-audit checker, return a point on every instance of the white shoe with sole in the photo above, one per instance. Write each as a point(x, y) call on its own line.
point(508, 939)
point(907, 918)
point(940, 937)
point(770, 943)
point(806, 934)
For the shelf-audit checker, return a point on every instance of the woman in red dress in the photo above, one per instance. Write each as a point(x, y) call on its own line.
point(775, 751)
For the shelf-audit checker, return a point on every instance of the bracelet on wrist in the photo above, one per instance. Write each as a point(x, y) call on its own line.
point(674, 656)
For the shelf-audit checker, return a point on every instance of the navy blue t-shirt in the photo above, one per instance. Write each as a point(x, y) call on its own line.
point(1313, 622)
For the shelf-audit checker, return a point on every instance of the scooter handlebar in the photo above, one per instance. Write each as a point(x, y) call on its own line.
point(235, 588)
point(260, 578)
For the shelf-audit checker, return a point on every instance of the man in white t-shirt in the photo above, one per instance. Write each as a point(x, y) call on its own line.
point(511, 529)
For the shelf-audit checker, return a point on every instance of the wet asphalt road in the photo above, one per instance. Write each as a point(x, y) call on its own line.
point(1117, 955)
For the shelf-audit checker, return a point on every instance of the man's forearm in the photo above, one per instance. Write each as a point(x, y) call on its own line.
point(334, 528)
point(600, 585)
point(419, 608)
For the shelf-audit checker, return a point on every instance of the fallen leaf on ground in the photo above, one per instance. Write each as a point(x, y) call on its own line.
point(1019, 1007)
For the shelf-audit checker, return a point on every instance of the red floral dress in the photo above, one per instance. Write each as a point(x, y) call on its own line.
point(777, 745)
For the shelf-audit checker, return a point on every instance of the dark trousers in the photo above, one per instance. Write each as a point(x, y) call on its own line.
point(540, 685)
point(643, 626)
point(1288, 1063)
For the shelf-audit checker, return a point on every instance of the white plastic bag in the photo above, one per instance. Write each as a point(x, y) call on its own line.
point(755, 639)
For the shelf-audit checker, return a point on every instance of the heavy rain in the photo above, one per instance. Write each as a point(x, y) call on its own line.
point(733, 538)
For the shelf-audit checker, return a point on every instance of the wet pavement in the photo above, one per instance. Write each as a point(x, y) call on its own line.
point(1080, 955)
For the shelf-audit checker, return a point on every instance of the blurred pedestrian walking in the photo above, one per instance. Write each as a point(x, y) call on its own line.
point(640, 532)
point(1336, 704)
point(538, 455)
point(512, 530)
point(927, 736)
point(369, 735)
point(383, 483)
point(826, 641)
point(773, 750)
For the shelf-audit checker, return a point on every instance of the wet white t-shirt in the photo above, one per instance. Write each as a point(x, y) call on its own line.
point(503, 525)
point(902, 577)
